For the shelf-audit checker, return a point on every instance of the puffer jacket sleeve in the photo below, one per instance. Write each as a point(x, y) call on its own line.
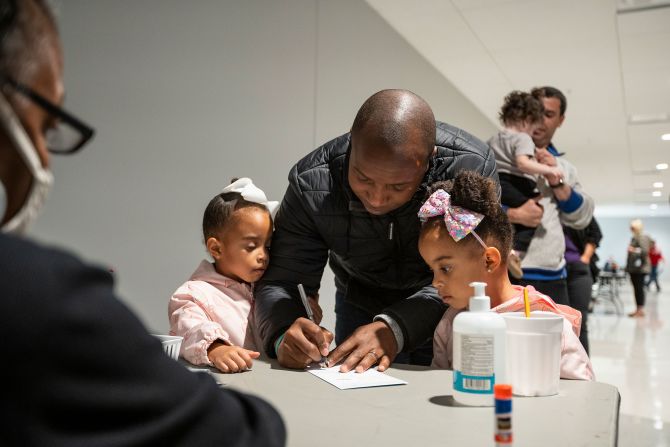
point(298, 255)
point(463, 152)
point(417, 316)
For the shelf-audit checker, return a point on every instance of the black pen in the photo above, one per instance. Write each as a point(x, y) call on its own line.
point(310, 315)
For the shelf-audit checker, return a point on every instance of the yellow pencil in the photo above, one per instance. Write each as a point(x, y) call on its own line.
point(526, 302)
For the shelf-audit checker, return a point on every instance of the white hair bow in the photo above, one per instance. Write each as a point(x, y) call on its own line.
point(252, 193)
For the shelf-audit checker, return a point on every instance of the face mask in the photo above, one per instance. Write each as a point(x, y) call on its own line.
point(42, 178)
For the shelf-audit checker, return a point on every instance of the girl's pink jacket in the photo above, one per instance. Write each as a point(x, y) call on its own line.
point(575, 363)
point(210, 307)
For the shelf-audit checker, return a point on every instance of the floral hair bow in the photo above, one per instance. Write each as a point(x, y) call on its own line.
point(252, 193)
point(459, 221)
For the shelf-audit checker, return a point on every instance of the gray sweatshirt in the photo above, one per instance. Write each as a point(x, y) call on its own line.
point(547, 248)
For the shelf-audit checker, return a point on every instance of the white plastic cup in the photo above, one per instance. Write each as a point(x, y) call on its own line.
point(171, 344)
point(534, 352)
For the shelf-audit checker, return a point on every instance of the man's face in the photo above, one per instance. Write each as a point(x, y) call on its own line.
point(382, 181)
point(552, 120)
point(14, 174)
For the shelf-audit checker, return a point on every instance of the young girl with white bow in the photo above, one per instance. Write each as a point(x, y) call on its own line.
point(466, 237)
point(213, 310)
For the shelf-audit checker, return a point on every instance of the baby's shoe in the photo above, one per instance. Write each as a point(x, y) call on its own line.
point(514, 265)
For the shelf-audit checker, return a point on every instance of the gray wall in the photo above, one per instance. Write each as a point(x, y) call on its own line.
point(186, 95)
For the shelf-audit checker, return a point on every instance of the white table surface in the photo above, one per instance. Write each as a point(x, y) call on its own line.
point(423, 413)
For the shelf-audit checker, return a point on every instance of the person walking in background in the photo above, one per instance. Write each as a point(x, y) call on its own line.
point(637, 264)
point(655, 257)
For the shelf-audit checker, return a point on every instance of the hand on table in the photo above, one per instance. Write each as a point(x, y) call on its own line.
point(230, 359)
point(304, 342)
point(371, 344)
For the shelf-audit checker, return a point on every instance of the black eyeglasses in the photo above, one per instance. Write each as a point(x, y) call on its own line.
point(69, 134)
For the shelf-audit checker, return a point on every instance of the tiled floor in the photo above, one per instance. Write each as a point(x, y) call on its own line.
point(633, 354)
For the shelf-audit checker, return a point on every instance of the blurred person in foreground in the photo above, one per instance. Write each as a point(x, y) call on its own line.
point(83, 371)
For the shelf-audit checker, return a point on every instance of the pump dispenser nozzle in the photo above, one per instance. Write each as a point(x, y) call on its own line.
point(479, 302)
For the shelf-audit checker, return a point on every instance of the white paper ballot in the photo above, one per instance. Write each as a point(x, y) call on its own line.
point(352, 379)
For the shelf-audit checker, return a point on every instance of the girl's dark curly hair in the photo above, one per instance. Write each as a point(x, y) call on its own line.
point(519, 107)
point(474, 192)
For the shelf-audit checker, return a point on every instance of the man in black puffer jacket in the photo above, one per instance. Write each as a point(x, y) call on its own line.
point(354, 202)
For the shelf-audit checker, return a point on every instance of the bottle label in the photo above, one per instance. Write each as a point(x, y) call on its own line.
point(473, 363)
point(503, 430)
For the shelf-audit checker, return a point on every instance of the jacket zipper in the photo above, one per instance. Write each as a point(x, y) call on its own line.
point(395, 247)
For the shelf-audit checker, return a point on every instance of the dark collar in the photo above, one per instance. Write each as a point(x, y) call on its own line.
point(553, 151)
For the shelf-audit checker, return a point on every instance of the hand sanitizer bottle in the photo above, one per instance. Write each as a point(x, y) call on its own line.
point(479, 351)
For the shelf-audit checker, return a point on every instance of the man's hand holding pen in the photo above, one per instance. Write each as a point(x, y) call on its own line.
point(304, 342)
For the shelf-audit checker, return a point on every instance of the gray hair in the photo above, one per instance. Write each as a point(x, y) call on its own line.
point(27, 29)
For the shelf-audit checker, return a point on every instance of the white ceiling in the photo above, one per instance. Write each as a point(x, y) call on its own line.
point(610, 58)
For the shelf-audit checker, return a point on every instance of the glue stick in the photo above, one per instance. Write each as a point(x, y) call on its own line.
point(503, 420)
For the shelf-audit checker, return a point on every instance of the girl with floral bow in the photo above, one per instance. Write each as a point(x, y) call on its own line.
point(466, 237)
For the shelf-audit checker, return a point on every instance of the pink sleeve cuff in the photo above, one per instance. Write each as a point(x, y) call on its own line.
point(195, 351)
